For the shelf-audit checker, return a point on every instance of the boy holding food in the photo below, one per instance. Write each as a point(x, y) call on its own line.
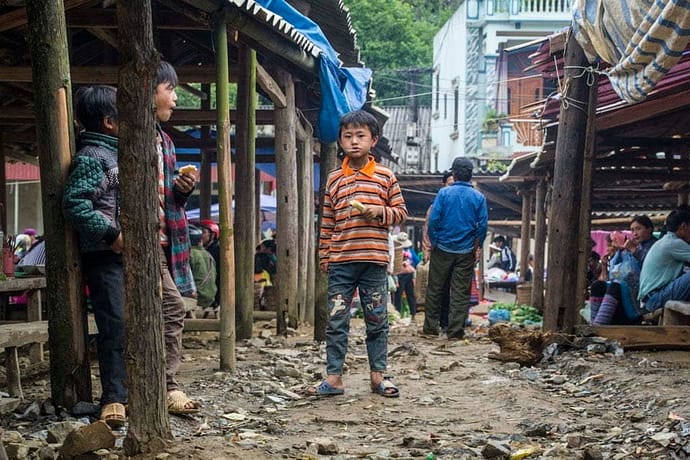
point(362, 199)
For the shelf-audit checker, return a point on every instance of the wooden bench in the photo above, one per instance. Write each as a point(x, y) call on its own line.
point(676, 313)
point(13, 336)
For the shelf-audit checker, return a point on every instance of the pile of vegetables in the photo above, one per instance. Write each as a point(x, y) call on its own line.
point(520, 314)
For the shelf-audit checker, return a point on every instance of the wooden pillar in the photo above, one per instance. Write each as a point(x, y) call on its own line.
point(327, 162)
point(311, 237)
point(682, 198)
point(305, 187)
point(539, 246)
point(227, 257)
point(70, 375)
point(288, 203)
point(205, 186)
point(149, 425)
point(527, 195)
point(561, 292)
point(245, 195)
point(3, 188)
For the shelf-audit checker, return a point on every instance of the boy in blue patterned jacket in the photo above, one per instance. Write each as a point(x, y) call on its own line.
point(91, 204)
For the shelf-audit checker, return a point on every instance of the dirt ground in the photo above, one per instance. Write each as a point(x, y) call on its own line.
point(584, 402)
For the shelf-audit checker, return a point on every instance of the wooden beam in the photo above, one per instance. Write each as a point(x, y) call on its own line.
point(105, 19)
point(107, 75)
point(270, 87)
point(105, 36)
point(17, 18)
point(643, 337)
point(203, 95)
point(182, 116)
point(498, 199)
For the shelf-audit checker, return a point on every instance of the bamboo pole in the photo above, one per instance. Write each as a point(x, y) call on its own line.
point(205, 186)
point(539, 246)
point(327, 163)
point(245, 196)
point(227, 259)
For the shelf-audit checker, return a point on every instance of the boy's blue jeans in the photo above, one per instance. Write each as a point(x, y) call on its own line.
point(372, 281)
point(106, 280)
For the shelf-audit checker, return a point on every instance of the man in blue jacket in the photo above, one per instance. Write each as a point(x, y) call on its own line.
point(457, 228)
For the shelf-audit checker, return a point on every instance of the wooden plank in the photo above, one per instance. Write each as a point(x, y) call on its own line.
point(107, 75)
point(213, 325)
point(642, 337)
point(14, 380)
point(269, 85)
point(19, 334)
point(22, 284)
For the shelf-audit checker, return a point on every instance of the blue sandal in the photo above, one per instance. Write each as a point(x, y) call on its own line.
point(325, 389)
point(386, 388)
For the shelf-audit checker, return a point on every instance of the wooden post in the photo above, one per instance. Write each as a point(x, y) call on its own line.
point(245, 197)
point(311, 236)
point(3, 188)
point(527, 195)
point(561, 292)
point(227, 250)
point(286, 241)
point(584, 236)
point(149, 425)
point(303, 237)
point(205, 186)
point(327, 162)
point(539, 246)
point(70, 375)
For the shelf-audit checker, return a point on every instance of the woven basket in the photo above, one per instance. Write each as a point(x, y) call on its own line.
point(398, 259)
point(421, 282)
point(524, 294)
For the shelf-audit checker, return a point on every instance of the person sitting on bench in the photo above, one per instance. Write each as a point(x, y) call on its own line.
point(662, 277)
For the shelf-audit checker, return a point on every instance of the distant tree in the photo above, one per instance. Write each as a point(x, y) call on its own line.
point(396, 41)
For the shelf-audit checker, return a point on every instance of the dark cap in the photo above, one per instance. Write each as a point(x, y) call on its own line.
point(462, 164)
point(446, 175)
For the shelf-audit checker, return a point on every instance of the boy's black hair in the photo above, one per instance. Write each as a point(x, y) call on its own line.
point(166, 74)
point(499, 239)
point(676, 218)
point(92, 104)
point(645, 221)
point(360, 118)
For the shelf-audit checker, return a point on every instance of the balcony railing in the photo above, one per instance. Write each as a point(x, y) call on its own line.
point(527, 7)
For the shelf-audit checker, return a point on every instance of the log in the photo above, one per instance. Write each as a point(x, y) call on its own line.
point(643, 337)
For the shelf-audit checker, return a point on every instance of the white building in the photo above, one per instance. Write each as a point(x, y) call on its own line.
point(465, 55)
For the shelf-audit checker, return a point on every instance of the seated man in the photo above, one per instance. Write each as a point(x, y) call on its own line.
point(508, 259)
point(662, 276)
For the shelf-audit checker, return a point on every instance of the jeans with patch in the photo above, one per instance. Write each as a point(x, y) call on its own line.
point(372, 281)
point(105, 278)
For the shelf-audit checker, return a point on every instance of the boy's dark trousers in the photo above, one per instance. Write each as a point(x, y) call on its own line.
point(105, 278)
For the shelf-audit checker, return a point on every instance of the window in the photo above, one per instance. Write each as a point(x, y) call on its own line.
point(438, 92)
point(456, 107)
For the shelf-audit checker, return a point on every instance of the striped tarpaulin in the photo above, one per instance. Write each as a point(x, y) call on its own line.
point(640, 39)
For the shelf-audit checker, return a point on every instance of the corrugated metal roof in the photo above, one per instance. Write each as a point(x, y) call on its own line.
point(395, 130)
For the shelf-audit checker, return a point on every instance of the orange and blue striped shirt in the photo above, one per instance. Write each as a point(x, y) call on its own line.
point(346, 235)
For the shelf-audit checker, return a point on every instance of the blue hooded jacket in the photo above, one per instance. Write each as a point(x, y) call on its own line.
point(459, 216)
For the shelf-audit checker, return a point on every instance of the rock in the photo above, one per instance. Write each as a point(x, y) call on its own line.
point(57, 432)
point(537, 430)
point(496, 449)
point(88, 439)
point(48, 407)
point(16, 451)
point(573, 441)
point(31, 413)
point(282, 370)
point(8, 405)
point(417, 443)
point(450, 366)
point(596, 348)
point(85, 408)
point(265, 334)
point(324, 446)
point(289, 394)
point(665, 438)
point(12, 436)
point(256, 342)
point(592, 454)
point(48, 452)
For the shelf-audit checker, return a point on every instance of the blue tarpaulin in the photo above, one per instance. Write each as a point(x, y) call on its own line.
point(343, 89)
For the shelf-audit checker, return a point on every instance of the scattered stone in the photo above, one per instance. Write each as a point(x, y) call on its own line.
point(496, 449)
point(88, 439)
point(16, 451)
point(324, 446)
point(33, 412)
point(8, 405)
point(450, 366)
point(57, 432)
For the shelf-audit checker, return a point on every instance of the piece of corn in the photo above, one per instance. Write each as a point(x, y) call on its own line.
point(356, 204)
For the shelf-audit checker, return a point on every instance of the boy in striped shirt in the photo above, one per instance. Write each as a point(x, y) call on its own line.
point(362, 200)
